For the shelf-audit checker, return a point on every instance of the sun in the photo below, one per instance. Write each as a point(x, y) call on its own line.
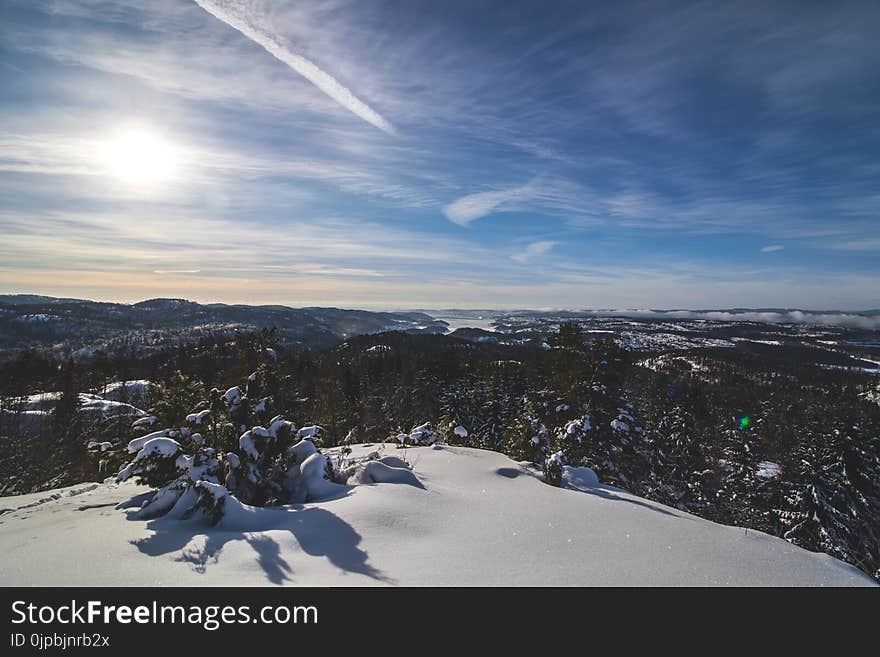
point(141, 158)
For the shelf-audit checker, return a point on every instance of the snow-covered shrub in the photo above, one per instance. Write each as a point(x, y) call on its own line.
point(575, 439)
point(420, 435)
point(387, 470)
point(256, 473)
point(423, 434)
point(313, 433)
point(553, 469)
point(269, 465)
point(161, 462)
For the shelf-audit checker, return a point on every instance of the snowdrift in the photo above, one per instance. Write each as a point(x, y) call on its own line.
point(466, 517)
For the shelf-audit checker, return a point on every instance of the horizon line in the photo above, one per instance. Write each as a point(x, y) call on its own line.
point(405, 308)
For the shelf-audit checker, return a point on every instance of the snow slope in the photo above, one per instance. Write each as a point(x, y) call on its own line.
point(478, 519)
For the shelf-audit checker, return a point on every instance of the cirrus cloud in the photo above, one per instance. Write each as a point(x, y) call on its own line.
point(469, 208)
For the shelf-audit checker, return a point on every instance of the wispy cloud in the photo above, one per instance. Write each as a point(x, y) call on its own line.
point(469, 208)
point(691, 135)
point(240, 17)
point(771, 248)
point(869, 244)
point(533, 250)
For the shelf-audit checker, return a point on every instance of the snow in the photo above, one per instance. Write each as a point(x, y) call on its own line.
point(136, 392)
point(575, 426)
point(31, 423)
point(768, 470)
point(165, 447)
point(32, 412)
point(461, 432)
point(233, 395)
point(309, 432)
point(198, 418)
point(276, 424)
point(104, 446)
point(246, 444)
point(136, 444)
point(303, 450)
point(478, 518)
point(95, 406)
point(40, 402)
point(422, 435)
point(580, 478)
point(39, 317)
point(617, 425)
point(317, 488)
point(148, 421)
point(389, 470)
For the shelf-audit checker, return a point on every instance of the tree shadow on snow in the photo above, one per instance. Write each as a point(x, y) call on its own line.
point(604, 491)
point(607, 493)
point(317, 531)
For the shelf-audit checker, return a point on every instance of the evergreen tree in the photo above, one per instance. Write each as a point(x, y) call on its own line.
point(526, 438)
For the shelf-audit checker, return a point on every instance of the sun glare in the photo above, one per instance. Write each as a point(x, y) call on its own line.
point(141, 158)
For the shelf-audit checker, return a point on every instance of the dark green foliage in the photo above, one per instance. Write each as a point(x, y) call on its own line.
point(526, 438)
point(176, 397)
point(209, 504)
point(569, 336)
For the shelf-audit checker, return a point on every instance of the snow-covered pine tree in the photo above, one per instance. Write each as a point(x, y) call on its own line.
point(677, 462)
point(575, 441)
point(267, 465)
point(837, 499)
point(257, 470)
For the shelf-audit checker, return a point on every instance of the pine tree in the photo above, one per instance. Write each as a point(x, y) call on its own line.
point(526, 438)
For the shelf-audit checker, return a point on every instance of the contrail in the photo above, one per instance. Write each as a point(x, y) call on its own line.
point(234, 16)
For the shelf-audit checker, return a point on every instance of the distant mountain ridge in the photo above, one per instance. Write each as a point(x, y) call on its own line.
point(31, 299)
point(28, 299)
point(80, 327)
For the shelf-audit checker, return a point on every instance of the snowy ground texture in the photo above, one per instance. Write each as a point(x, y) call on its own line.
point(479, 519)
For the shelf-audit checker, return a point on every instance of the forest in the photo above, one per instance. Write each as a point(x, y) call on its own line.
point(781, 447)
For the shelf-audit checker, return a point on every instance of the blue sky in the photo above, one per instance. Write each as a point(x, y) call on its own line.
point(425, 154)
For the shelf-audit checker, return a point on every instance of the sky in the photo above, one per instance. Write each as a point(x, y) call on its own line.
point(371, 154)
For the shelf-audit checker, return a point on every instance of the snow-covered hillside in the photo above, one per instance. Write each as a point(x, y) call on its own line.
point(478, 519)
